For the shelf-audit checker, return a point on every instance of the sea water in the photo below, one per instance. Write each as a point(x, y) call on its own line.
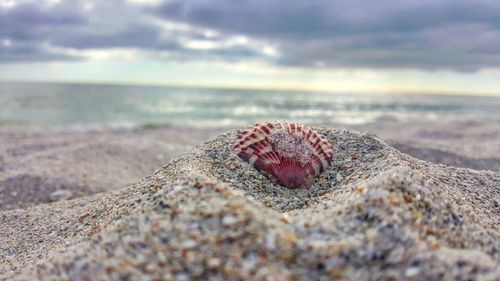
point(56, 105)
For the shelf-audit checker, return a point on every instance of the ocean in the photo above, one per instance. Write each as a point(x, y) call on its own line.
point(46, 105)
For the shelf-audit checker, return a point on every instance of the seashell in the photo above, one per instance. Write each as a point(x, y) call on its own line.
point(289, 154)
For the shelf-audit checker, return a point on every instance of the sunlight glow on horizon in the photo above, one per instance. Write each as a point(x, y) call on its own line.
point(254, 76)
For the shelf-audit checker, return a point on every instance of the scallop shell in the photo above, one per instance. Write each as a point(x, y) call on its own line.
point(289, 154)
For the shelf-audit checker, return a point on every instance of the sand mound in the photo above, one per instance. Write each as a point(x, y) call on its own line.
point(374, 214)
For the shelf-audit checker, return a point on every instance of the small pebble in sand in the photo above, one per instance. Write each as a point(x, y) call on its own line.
point(60, 194)
point(339, 177)
point(229, 220)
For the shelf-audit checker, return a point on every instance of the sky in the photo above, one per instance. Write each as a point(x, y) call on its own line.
point(414, 46)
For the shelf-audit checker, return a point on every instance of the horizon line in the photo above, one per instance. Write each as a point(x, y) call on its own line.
point(260, 87)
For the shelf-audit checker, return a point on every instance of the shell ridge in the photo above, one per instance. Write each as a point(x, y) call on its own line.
point(289, 154)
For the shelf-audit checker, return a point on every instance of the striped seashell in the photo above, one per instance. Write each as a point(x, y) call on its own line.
point(289, 154)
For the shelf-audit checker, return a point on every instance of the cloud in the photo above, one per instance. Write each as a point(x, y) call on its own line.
point(326, 18)
point(24, 53)
point(71, 30)
point(458, 35)
point(450, 34)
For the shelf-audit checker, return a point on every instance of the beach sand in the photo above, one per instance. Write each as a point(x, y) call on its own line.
point(95, 205)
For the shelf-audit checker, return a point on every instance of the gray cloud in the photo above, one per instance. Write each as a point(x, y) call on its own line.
point(24, 53)
point(451, 34)
point(459, 35)
point(32, 26)
point(323, 18)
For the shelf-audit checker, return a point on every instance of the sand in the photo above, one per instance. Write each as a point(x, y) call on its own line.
point(457, 142)
point(46, 166)
point(376, 213)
